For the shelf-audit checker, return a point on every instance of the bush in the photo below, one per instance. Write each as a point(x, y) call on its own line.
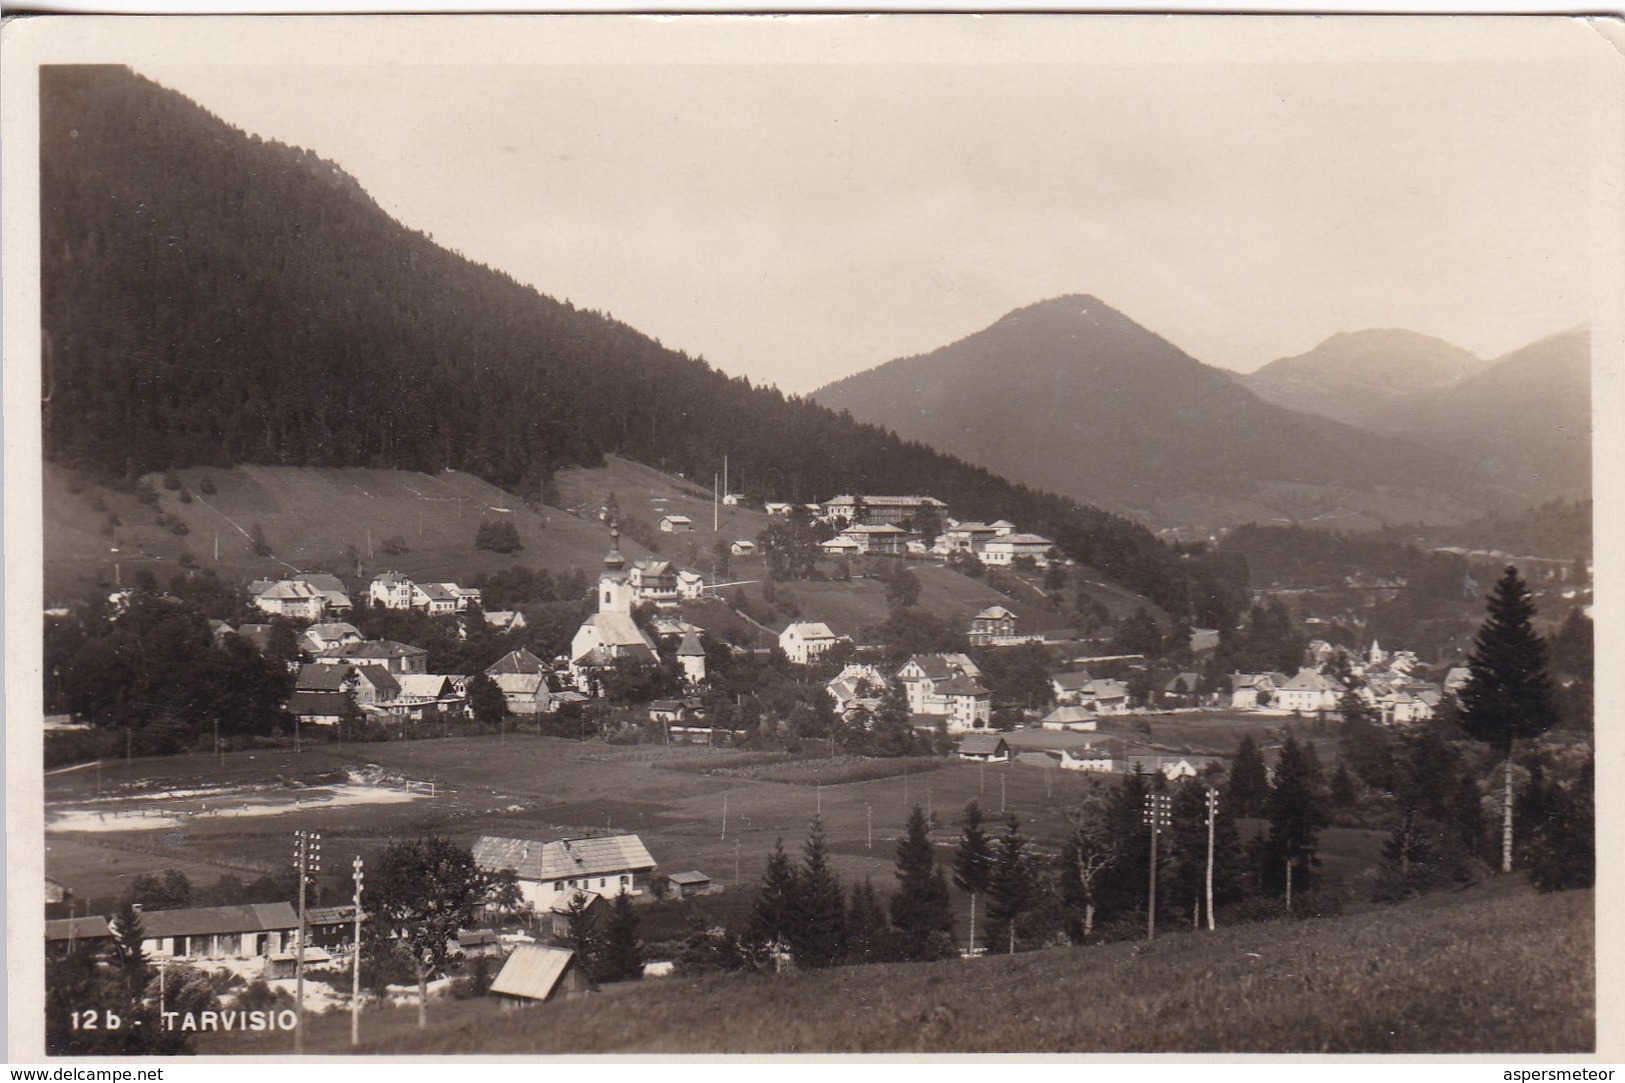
point(393, 546)
point(498, 537)
point(186, 496)
point(172, 480)
point(206, 486)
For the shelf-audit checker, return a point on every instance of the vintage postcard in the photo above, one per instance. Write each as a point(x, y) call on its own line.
point(827, 534)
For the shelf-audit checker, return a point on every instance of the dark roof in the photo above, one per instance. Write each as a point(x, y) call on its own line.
point(322, 677)
point(310, 704)
point(209, 920)
point(1073, 682)
point(85, 928)
point(374, 648)
point(691, 877)
point(978, 744)
point(381, 679)
point(520, 661)
point(331, 915)
point(960, 686)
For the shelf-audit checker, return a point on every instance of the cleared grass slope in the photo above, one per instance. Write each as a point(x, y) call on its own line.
point(1495, 970)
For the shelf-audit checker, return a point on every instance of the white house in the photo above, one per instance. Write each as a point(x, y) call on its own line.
point(946, 686)
point(436, 599)
point(743, 547)
point(857, 686)
point(803, 641)
point(676, 524)
point(392, 590)
point(690, 585)
point(505, 620)
point(841, 546)
point(1007, 549)
point(524, 693)
point(1088, 758)
point(289, 598)
point(1248, 689)
point(1308, 692)
point(319, 637)
point(220, 932)
point(992, 624)
point(876, 537)
point(881, 509)
point(777, 509)
point(609, 866)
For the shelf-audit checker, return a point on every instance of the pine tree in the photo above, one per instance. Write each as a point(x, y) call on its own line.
point(622, 950)
point(1297, 814)
point(973, 861)
point(129, 955)
point(1187, 880)
point(1342, 794)
point(866, 929)
point(1563, 851)
point(1012, 889)
point(583, 937)
point(1508, 696)
point(920, 909)
point(1249, 786)
point(773, 914)
point(817, 931)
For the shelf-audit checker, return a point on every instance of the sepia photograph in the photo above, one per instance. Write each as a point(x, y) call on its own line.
point(807, 535)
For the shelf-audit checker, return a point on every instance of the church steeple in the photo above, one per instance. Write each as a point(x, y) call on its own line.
point(613, 560)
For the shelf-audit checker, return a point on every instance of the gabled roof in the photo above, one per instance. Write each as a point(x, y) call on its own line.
point(374, 648)
point(520, 684)
point(209, 920)
point(1190, 680)
point(290, 590)
point(983, 744)
point(438, 592)
point(874, 528)
point(333, 630)
point(995, 612)
point(519, 661)
point(690, 646)
point(321, 677)
point(423, 685)
point(382, 680)
point(390, 578)
point(960, 686)
point(1106, 689)
point(566, 859)
point(655, 567)
point(532, 972)
point(327, 584)
point(1022, 539)
point(1063, 715)
point(808, 629)
point(310, 704)
point(941, 667)
point(1073, 682)
point(1310, 680)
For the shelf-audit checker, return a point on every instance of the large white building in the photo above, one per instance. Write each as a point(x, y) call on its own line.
point(548, 871)
point(804, 641)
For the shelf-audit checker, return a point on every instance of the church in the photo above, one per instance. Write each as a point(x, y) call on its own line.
point(610, 634)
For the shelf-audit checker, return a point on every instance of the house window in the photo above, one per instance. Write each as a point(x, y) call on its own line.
point(600, 881)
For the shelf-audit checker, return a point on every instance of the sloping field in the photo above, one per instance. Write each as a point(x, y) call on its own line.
point(1497, 969)
point(646, 495)
point(311, 519)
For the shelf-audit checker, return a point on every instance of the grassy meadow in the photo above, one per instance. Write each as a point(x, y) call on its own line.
point(1492, 969)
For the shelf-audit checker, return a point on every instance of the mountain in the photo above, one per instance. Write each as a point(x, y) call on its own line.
point(1073, 396)
point(1371, 379)
point(1527, 417)
point(210, 299)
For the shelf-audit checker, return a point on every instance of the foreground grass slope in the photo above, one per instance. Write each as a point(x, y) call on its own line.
point(1496, 969)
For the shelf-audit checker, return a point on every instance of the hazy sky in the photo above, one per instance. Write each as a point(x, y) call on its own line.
point(796, 205)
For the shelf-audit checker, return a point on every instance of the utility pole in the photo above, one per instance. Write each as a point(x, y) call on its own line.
point(869, 815)
point(1001, 791)
point(1212, 814)
point(1158, 815)
point(307, 858)
point(724, 816)
point(355, 969)
point(218, 758)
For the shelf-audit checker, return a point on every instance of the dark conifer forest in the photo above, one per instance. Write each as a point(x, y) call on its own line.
point(210, 298)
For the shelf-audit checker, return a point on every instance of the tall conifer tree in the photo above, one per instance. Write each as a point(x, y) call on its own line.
point(919, 908)
point(1508, 696)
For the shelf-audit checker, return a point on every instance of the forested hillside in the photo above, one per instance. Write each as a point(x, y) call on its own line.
point(211, 299)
